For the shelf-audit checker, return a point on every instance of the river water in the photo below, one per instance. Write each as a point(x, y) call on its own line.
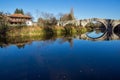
point(76, 57)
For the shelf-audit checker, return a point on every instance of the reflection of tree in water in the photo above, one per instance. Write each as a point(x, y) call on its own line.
point(20, 46)
point(21, 41)
point(2, 45)
point(71, 42)
point(3, 42)
point(67, 38)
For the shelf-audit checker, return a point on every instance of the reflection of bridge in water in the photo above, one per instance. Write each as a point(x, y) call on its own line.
point(21, 43)
point(106, 36)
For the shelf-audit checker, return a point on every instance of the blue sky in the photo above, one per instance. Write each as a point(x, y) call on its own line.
point(82, 8)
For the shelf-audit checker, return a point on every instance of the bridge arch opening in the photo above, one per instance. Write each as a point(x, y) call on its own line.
point(96, 29)
point(116, 30)
point(95, 24)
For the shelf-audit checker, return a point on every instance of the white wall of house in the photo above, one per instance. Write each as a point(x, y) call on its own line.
point(29, 23)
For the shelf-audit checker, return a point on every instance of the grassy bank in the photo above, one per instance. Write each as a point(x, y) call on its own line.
point(39, 31)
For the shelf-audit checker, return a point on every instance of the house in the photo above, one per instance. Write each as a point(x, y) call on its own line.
point(20, 19)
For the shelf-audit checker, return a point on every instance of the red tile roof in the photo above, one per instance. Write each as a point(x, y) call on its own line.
point(19, 15)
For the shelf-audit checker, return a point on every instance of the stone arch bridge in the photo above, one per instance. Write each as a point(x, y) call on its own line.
point(108, 23)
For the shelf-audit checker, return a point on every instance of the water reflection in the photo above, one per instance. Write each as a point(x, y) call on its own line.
point(97, 34)
point(21, 41)
point(101, 35)
point(51, 57)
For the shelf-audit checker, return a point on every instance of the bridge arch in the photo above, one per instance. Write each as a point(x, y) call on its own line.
point(116, 30)
point(115, 23)
point(115, 26)
point(87, 21)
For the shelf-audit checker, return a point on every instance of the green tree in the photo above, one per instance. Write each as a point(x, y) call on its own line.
point(19, 11)
point(16, 11)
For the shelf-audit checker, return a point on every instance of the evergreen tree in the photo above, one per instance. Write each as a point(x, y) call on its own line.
point(16, 11)
point(19, 11)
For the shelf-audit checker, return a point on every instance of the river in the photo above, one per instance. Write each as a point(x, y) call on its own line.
point(75, 57)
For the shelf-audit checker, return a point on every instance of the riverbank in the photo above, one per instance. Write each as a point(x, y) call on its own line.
point(39, 31)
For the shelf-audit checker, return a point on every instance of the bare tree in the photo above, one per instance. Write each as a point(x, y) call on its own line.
point(46, 16)
point(60, 15)
point(47, 19)
point(29, 14)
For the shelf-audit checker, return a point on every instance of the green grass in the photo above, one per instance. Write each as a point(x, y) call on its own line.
point(39, 31)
